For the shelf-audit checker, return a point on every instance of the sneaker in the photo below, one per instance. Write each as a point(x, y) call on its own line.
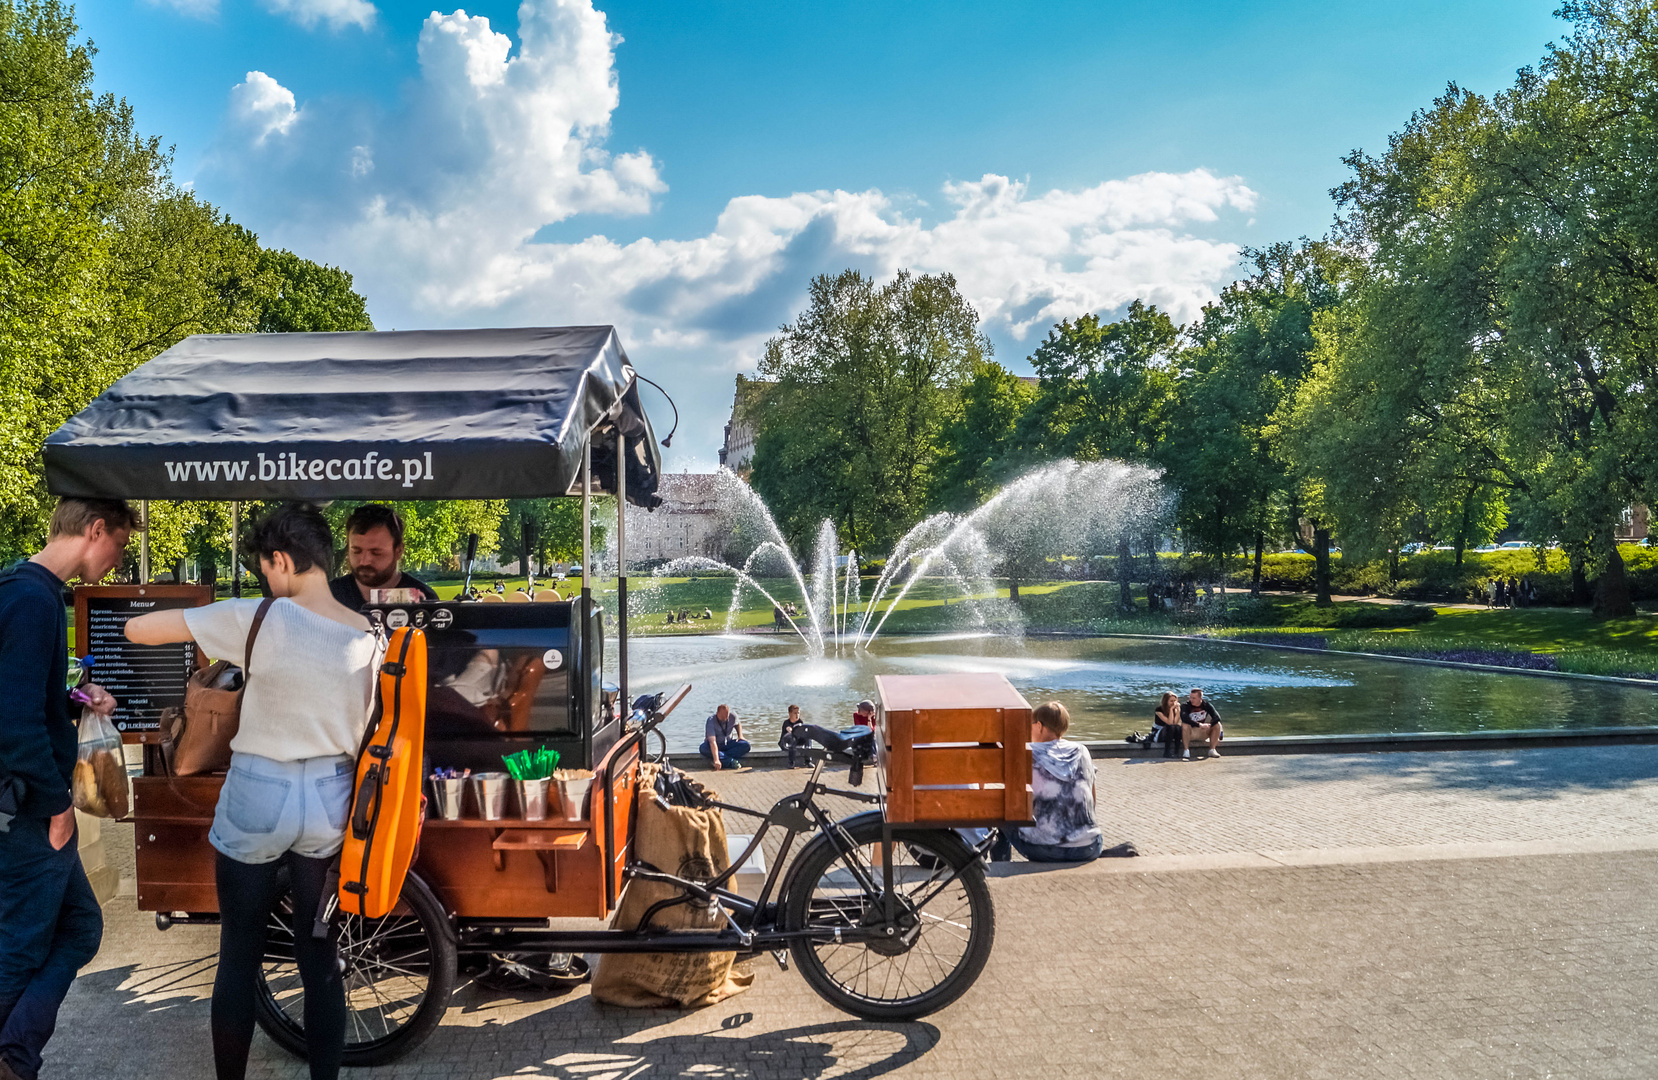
point(1214, 751)
point(1185, 755)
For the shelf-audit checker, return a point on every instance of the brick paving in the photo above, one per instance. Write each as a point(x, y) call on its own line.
point(1296, 917)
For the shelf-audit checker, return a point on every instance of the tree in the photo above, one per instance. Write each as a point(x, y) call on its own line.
point(1105, 389)
point(307, 296)
point(1248, 354)
point(979, 447)
point(1508, 317)
point(556, 523)
point(865, 380)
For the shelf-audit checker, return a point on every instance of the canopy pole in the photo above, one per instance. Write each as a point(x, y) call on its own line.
point(587, 582)
point(144, 543)
point(236, 549)
point(622, 567)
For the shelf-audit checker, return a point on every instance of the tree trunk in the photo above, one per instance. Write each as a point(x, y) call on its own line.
point(1125, 568)
point(1612, 600)
point(1154, 602)
point(1013, 589)
point(1321, 562)
point(1255, 580)
point(1393, 563)
point(1580, 583)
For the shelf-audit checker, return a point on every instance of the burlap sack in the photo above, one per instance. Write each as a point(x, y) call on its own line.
point(691, 844)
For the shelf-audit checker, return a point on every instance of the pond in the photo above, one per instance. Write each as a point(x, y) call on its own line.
point(1111, 685)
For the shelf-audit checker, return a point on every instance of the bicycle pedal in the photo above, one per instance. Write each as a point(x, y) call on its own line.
point(782, 958)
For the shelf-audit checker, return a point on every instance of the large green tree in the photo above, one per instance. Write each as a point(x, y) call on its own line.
point(864, 383)
point(1504, 336)
point(1247, 355)
point(105, 262)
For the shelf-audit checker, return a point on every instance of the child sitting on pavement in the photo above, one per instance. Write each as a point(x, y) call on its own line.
point(1062, 798)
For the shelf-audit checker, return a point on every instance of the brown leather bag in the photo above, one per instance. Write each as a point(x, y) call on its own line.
point(201, 743)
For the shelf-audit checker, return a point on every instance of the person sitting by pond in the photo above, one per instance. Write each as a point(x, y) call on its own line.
point(1062, 798)
point(794, 737)
point(864, 715)
point(1165, 724)
point(723, 743)
point(707, 613)
point(1199, 720)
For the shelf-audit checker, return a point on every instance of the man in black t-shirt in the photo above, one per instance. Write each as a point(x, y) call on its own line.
point(373, 557)
point(1199, 721)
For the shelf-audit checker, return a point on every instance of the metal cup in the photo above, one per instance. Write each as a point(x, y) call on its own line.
point(490, 790)
point(574, 795)
point(449, 795)
point(532, 798)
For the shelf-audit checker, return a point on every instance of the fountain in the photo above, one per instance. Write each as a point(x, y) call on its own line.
point(1064, 509)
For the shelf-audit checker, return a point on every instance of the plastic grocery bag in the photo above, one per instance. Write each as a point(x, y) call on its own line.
point(100, 781)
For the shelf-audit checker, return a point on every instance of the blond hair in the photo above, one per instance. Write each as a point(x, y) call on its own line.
point(74, 516)
point(1052, 716)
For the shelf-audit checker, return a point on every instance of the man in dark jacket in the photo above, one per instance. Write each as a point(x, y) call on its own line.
point(374, 557)
point(50, 922)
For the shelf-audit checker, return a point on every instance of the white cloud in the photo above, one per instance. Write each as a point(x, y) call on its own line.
point(262, 107)
point(338, 14)
point(434, 208)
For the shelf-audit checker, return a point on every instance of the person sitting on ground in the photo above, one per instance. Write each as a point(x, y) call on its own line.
point(1062, 798)
point(707, 613)
point(1165, 724)
point(1199, 720)
point(794, 738)
point(723, 743)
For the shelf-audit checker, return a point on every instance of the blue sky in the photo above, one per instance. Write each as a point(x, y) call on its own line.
point(521, 166)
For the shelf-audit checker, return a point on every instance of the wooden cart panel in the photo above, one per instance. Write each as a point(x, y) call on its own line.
point(953, 749)
point(478, 869)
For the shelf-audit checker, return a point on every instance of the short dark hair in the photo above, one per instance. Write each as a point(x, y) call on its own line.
point(298, 529)
point(74, 516)
point(370, 515)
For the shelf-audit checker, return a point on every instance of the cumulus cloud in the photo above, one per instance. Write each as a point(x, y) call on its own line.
point(338, 14)
point(262, 107)
point(435, 206)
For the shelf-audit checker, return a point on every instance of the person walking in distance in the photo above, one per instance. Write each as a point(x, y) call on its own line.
point(50, 921)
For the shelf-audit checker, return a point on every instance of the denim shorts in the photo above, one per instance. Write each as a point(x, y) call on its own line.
point(268, 807)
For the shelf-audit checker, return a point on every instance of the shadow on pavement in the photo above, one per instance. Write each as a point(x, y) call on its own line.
point(153, 1021)
point(1543, 773)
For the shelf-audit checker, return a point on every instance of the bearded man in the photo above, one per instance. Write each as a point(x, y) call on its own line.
point(374, 557)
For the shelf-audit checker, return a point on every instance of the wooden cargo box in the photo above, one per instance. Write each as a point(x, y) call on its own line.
point(953, 749)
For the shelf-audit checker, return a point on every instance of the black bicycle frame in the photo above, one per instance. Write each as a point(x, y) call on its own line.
point(752, 925)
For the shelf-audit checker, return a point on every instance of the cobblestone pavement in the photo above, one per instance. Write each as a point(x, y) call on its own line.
point(1297, 917)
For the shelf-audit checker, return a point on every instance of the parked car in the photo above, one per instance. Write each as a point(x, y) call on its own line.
point(1514, 545)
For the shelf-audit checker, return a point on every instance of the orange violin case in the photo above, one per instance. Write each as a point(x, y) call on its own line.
point(387, 811)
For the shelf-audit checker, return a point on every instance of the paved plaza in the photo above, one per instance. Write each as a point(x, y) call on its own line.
point(1453, 914)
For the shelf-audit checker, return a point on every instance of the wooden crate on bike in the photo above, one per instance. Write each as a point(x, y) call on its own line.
point(953, 749)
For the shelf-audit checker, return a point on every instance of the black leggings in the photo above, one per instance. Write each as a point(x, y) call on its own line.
point(247, 896)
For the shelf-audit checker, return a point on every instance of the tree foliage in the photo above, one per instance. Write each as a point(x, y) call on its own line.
point(105, 262)
point(865, 382)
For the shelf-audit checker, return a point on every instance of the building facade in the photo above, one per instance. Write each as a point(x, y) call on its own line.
point(687, 523)
point(738, 452)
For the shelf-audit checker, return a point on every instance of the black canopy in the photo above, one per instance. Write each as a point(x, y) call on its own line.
point(408, 414)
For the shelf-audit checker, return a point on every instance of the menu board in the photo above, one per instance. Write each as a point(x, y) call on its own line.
point(144, 679)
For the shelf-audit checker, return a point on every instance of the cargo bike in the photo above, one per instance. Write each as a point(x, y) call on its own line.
point(885, 912)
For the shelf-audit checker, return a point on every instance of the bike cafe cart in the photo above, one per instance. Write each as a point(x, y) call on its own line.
point(529, 413)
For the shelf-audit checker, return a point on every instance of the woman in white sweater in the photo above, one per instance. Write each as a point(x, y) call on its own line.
point(293, 760)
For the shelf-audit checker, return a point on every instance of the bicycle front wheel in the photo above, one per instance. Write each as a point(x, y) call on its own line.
point(940, 939)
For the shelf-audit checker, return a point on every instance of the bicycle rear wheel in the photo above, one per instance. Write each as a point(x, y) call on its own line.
point(399, 973)
point(940, 943)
